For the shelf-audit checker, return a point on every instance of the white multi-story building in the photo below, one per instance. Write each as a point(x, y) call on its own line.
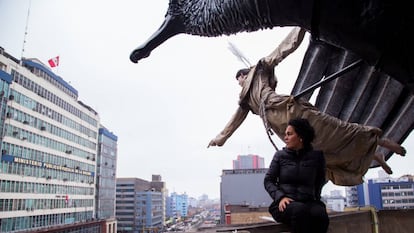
point(335, 201)
point(49, 148)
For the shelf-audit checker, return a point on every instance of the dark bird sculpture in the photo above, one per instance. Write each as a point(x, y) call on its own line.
point(376, 30)
point(378, 92)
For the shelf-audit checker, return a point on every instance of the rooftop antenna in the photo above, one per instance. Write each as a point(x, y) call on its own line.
point(25, 30)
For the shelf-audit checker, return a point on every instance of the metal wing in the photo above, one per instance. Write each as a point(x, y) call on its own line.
point(363, 95)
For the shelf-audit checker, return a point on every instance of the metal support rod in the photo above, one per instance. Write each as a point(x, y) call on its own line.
point(329, 78)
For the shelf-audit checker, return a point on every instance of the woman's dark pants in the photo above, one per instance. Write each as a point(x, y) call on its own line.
point(302, 217)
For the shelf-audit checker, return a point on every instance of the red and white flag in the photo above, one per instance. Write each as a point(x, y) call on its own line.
point(53, 62)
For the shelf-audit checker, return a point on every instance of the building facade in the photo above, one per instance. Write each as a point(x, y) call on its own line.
point(49, 145)
point(171, 211)
point(180, 202)
point(335, 201)
point(139, 206)
point(106, 173)
point(158, 185)
point(248, 162)
point(243, 187)
point(351, 196)
point(387, 194)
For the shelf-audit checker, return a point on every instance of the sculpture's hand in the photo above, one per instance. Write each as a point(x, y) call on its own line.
point(217, 141)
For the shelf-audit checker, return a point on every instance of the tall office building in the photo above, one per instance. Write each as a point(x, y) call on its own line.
point(106, 173)
point(139, 205)
point(248, 162)
point(48, 151)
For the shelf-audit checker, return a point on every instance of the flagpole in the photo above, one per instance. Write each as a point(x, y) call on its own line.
point(26, 27)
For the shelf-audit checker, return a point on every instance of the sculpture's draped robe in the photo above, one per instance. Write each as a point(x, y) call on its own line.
point(348, 147)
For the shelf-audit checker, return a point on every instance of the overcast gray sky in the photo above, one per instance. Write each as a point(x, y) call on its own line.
point(166, 108)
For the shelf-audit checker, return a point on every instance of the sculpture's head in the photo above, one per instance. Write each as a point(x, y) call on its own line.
point(241, 75)
point(208, 18)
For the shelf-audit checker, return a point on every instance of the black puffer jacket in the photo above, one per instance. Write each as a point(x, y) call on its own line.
point(299, 175)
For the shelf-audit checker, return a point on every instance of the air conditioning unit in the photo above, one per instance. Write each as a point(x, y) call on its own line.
point(43, 128)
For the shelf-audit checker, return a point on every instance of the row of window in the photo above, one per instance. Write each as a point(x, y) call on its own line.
point(43, 172)
point(124, 190)
point(124, 202)
point(42, 204)
point(398, 208)
point(36, 155)
point(397, 201)
point(37, 139)
point(43, 92)
point(31, 104)
point(403, 194)
point(32, 121)
point(124, 208)
point(41, 221)
point(12, 186)
point(124, 196)
point(397, 186)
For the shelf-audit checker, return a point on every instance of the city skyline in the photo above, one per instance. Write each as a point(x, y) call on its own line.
point(166, 108)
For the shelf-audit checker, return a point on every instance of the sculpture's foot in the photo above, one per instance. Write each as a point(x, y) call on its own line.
point(386, 168)
point(393, 146)
point(380, 159)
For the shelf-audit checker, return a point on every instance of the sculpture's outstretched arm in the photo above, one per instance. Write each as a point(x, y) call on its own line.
point(286, 47)
point(234, 123)
point(171, 26)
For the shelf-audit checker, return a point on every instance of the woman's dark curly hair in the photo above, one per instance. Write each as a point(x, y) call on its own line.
point(304, 130)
